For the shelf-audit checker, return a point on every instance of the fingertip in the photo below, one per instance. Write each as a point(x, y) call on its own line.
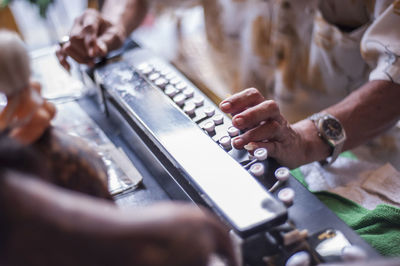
point(91, 52)
point(238, 142)
point(102, 48)
point(251, 146)
point(238, 122)
point(225, 106)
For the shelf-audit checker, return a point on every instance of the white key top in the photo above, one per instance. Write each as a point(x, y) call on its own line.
point(209, 126)
point(257, 169)
point(170, 91)
point(189, 108)
point(198, 101)
point(261, 154)
point(179, 99)
point(209, 111)
point(218, 119)
point(282, 173)
point(225, 142)
point(233, 131)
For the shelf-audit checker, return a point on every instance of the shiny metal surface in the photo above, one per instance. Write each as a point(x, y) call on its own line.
point(219, 179)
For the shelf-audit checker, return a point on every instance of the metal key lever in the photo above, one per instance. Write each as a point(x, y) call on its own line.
point(260, 154)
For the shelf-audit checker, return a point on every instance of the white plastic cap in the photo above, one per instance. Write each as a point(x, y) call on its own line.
point(218, 119)
point(209, 126)
point(198, 101)
point(257, 169)
point(175, 81)
point(261, 154)
point(170, 90)
point(209, 111)
point(189, 108)
point(286, 195)
point(145, 68)
point(189, 92)
point(179, 99)
point(282, 173)
point(353, 253)
point(165, 71)
point(225, 142)
point(233, 131)
point(180, 86)
point(170, 76)
point(301, 258)
point(160, 82)
point(154, 76)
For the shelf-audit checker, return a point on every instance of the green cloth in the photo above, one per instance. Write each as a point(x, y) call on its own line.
point(379, 227)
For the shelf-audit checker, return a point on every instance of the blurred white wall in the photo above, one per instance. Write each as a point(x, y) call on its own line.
point(39, 32)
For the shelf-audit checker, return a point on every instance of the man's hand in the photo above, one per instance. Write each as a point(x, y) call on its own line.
point(182, 234)
point(264, 126)
point(91, 36)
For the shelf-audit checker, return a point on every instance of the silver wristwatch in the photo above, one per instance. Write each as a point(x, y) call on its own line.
point(332, 132)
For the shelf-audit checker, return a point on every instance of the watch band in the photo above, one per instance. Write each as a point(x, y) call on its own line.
point(335, 139)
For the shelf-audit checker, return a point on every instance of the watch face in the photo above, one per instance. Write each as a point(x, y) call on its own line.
point(332, 128)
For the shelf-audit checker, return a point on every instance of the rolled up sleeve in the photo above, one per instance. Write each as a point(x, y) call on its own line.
point(380, 45)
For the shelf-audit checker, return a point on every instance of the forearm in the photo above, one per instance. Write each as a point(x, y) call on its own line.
point(126, 13)
point(364, 114)
point(368, 112)
point(44, 217)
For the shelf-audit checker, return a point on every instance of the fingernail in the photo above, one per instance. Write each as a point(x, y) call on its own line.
point(238, 142)
point(226, 106)
point(250, 147)
point(91, 52)
point(239, 121)
point(103, 47)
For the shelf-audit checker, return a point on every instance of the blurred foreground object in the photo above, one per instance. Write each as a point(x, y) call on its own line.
point(27, 115)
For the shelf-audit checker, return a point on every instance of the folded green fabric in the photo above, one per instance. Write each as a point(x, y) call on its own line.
point(379, 227)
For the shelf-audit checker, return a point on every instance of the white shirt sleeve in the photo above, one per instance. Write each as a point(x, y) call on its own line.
point(380, 45)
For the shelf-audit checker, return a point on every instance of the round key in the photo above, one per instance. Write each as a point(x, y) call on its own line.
point(209, 111)
point(179, 99)
point(189, 108)
point(301, 258)
point(170, 76)
point(225, 142)
point(233, 131)
point(157, 68)
point(165, 71)
point(286, 195)
point(181, 86)
point(170, 91)
point(198, 101)
point(218, 119)
point(161, 82)
point(125, 75)
point(209, 126)
point(261, 154)
point(145, 68)
point(154, 76)
point(189, 92)
point(353, 253)
point(175, 81)
point(142, 66)
point(282, 173)
point(257, 169)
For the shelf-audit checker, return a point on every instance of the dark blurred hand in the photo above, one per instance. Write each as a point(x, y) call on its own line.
point(91, 36)
point(183, 234)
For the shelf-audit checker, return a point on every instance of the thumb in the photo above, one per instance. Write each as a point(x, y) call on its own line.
point(111, 39)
